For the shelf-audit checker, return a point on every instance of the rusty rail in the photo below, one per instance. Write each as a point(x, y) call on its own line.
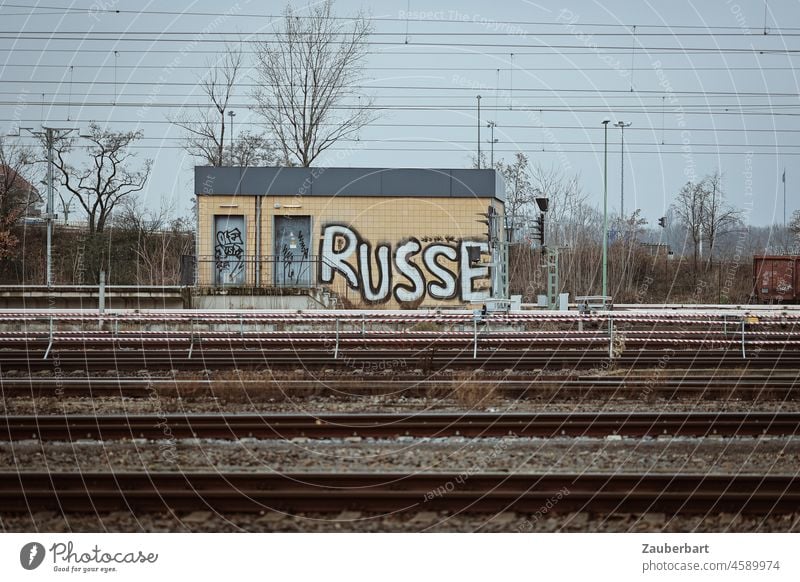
point(390, 425)
point(397, 492)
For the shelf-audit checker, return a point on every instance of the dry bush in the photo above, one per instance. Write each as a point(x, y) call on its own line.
point(246, 386)
point(468, 390)
point(634, 275)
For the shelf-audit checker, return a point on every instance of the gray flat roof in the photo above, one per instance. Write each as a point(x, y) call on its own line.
point(402, 182)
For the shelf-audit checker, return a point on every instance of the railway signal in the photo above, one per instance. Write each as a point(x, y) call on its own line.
point(490, 220)
point(538, 228)
point(662, 222)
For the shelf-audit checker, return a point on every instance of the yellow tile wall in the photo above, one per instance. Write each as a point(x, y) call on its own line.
point(376, 219)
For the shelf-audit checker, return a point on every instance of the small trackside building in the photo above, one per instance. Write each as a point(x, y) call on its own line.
point(379, 237)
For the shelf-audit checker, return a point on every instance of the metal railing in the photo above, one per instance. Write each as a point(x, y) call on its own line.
point(268, 271)
point(250, 271)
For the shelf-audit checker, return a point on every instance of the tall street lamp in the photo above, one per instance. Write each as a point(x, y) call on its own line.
point(622, 125)
point(606, 121)
point(479, 131)
point(491, 125)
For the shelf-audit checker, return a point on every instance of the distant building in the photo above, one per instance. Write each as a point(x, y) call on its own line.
point(13, 183)
point(392, 237)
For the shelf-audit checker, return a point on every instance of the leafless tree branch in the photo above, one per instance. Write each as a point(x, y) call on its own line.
point(205, 131)
point(306, 79)
point(107, 179)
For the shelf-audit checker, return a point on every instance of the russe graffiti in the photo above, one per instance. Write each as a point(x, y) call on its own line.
point(445, 271)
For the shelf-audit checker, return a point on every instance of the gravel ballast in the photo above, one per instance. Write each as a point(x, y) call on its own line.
point(350, 521)
point(119, 405)
point(514, 455)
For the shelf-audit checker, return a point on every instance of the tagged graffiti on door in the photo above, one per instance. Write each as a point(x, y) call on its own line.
point(441, 270)
point(229, 250)
point(293, 251)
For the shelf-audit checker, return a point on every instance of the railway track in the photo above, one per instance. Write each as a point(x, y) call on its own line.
point(186, 343)
point(27, 492)
point(432, 358)
point(75, 427)
point(677, 383)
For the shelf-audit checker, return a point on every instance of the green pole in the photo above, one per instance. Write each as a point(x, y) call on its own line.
point(605, 208)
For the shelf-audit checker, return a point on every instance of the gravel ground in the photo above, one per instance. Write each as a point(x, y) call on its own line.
point(204, 521)
point(764, 455)
point(513, 455)
point(118, 405)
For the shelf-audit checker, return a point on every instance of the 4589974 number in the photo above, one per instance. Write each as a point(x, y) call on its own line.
point(751, 565)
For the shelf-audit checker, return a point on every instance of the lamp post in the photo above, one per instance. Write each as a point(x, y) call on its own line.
point(491, 125)
point(231, 114)
point(50, 135)
point(606, 121)
point(622, 125)
point(479, 131)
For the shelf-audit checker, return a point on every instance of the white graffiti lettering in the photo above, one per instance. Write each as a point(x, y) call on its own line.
point(336, 260)
point(404, 293)
point(381, 291)
point(446, 289)
point(444, 271)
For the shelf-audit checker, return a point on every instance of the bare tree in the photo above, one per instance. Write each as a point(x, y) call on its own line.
point(252, 149)
point(309, 73)
point(519, 192)
point(794, 226)
point(569, 214)
point(718, 218)
point(205, 130)
point(107, 178)
point(689, 208)
point(18, 196)
point(157, 242)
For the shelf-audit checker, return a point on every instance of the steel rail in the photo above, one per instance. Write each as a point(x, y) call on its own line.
point(202, 356)
point(74, 427)
point(228, 492)
point(676, 383)
point(484, 341)
point(785, 389)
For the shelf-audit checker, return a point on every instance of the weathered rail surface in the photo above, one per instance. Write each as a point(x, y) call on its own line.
point(74, 427)
point(774, 383)
point(396, 492)
point(429, 359)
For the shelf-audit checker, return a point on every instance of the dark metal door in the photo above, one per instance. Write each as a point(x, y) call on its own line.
point(293, 267)
point(229, 250)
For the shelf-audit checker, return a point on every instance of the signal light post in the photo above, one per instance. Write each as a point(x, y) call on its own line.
point(499, 228)
point(550, 253)
point(497, 238)
point(662, 222)
point(539, 229)
point(606, 121)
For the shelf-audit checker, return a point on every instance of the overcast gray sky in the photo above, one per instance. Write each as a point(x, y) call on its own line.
point(701, 83)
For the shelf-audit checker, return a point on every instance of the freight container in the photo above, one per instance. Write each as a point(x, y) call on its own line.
point(775, 278)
